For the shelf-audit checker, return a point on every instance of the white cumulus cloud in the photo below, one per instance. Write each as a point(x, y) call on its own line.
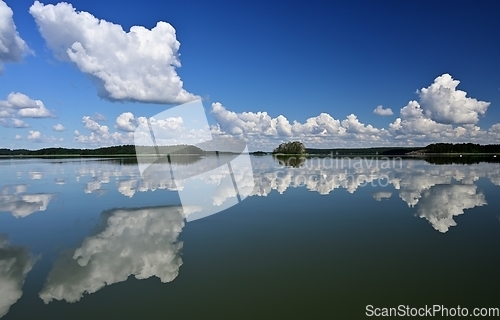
point(35, 135)
point(442, 102)
point(18, 123)
point(125, 122)
point(323, 129)
point(442, 114)
point(22, 105)
point(139, 65)
point(12, 46)
point(100, 134)
point(379, 110)
point(59, 127)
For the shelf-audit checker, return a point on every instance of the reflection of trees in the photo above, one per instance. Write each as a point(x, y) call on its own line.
point(173, 159)
point(468, 159)
point(15, 263)
point(140, 242)
point(290, 161)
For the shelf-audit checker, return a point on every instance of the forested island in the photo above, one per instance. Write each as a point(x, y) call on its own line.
point(293, 147)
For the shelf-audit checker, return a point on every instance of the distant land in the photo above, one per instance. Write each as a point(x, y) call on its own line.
point(130, 150)
point(432, 149)
point(125, 150)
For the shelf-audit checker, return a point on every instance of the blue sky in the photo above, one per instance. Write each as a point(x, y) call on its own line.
point(267, 72)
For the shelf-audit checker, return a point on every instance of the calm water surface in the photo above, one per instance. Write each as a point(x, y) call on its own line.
point(90, 238)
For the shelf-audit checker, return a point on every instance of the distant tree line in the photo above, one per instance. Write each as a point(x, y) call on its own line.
point(105, 151)
point(461, 148)
point(295, 147)
point(470, 159)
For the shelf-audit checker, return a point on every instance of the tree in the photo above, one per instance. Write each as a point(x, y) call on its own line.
point(295, 147)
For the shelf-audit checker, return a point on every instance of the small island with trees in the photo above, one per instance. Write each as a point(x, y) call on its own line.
point(291, 148)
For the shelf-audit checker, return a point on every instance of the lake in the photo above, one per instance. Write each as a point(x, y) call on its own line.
point(313, 238)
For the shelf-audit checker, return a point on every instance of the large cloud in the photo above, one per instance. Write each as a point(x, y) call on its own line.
point(442, 102)
point(141, 242)
point(138, 65)
point(12, 47)
point(442, 113)
point(15, 263)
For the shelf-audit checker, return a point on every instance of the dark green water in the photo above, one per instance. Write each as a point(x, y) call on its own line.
point(84, 239)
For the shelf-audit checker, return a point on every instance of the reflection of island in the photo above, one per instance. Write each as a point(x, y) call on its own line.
point(14, 199)
point(15, 263)
point(290, 161)
point(140, 242)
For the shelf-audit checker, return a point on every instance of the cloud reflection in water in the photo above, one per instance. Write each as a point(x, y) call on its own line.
point(15, 263)
point(140, 242)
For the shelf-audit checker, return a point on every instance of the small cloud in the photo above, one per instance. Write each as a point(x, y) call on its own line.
point(24, 106)
point(35, 136)
point(18, 123)
point(379, 110)
point(98, 117)
point(125, 122)
point(15, 123)
point(18, 137)
point(58, 127)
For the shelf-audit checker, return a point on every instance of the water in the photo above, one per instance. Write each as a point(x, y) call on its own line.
point(90, 238)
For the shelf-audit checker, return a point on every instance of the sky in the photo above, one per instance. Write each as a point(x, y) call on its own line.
point(85, 74)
